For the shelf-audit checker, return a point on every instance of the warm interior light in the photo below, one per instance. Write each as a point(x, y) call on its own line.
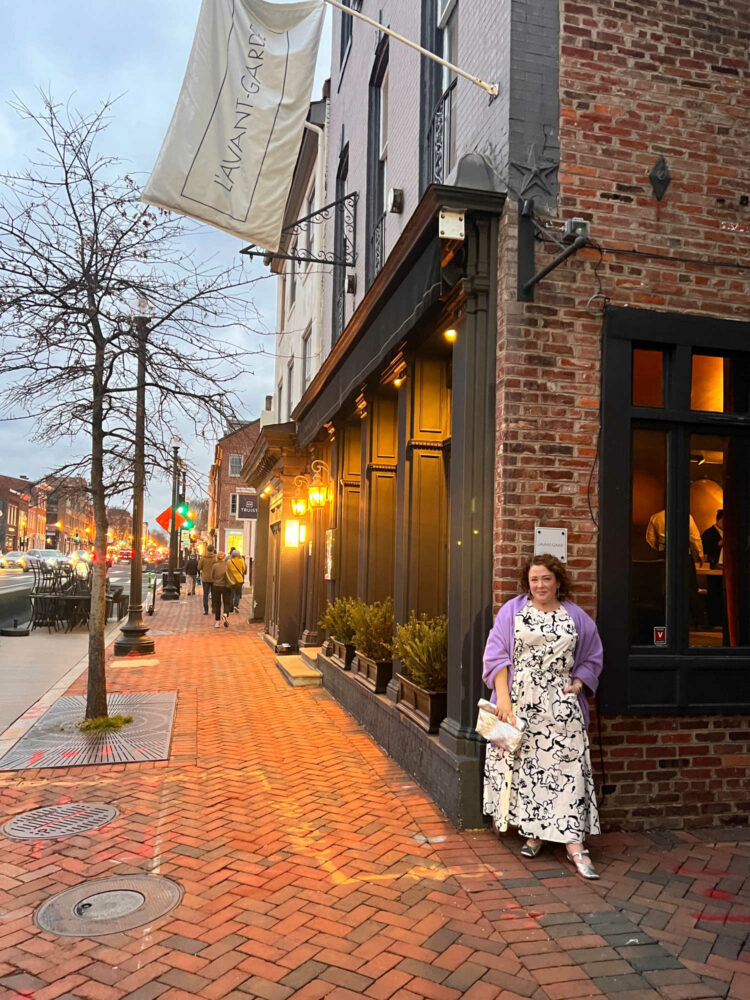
point(291, 533)
point(450, 334)
point(302, 533)
point(398, 382)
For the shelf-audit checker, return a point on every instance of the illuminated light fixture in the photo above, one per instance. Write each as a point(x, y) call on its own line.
point(318, 491)
point(267, 490)
point(291, 533)
point(450, 334)
point(302, 533)
point(398, 382)
point(299, 503)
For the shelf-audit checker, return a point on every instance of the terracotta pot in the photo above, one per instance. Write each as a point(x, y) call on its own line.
point(343, 654)
point(426, 708)
point(374, 674)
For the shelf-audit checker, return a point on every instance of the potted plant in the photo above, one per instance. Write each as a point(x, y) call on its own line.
point(422, 647)
point(337, 621)
point(373, 643)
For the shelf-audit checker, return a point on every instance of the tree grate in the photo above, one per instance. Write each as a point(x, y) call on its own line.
point(59, 821)
point(56, 741)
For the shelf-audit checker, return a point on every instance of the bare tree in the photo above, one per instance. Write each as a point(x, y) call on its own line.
point(77, 247)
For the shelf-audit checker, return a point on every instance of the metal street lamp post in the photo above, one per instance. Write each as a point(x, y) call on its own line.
point(134, 638)
point(171, 591)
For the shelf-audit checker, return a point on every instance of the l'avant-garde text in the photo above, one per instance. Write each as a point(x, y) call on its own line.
point(243, 107)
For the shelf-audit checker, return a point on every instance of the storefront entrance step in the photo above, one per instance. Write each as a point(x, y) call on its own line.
point(297, 672)
point(309, 655)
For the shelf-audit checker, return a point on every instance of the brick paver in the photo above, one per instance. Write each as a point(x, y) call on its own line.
point(314, 867)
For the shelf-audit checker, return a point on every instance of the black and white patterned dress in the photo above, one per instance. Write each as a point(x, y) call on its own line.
point(545, 788)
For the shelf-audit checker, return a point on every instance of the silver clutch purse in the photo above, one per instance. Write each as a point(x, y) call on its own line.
point(502, 734)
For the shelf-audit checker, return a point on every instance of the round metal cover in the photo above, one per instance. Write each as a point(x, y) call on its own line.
point(59, 821)
point(108, 905)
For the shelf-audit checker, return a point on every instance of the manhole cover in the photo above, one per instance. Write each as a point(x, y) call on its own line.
point(59, 821)
point(108, 905)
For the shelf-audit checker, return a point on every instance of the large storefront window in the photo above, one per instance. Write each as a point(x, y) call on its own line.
point(675, 504)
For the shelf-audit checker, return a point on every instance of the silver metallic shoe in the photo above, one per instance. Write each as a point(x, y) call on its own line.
point(582, 866)
point(532, 847)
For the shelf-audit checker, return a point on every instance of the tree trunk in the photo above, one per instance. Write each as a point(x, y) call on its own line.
point(96, 693)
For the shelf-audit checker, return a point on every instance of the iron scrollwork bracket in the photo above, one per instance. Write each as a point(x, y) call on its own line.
point(347, 206)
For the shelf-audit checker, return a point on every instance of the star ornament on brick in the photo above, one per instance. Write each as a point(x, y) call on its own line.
point(537, 173)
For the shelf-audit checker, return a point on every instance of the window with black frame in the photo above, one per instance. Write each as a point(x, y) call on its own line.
point(339, 246)
point(675, 509)
point(377, 161)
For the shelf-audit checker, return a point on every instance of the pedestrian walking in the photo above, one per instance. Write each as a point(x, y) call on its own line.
point(221, 593)
point(542, 660)
point(236, 570)
point(205, 565)
point(191, 571)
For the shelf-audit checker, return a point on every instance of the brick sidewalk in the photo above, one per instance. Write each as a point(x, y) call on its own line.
point(314, 867)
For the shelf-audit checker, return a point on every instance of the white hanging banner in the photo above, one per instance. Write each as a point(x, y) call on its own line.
point(230, 150)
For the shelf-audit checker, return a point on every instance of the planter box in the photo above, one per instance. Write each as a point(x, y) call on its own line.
point(426, 708)
point(374, 674)
point(343, 654)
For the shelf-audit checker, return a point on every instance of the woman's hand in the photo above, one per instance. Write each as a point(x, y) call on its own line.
point(575, 687)
point(504, 713)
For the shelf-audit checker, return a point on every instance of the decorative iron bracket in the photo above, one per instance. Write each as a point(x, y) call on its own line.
point(347, 206)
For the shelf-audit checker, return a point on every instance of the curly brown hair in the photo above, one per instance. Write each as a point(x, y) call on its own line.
point(554, 565)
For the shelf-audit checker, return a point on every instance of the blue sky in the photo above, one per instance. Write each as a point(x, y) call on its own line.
point(94, 50)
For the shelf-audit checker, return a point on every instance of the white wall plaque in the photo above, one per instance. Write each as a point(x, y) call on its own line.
point(552, 540)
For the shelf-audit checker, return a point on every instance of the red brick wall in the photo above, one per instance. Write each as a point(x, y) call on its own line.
point(659, 771)
point(636, 81)
point(239, 443)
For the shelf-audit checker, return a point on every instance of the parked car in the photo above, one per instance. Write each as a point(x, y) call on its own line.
point(46, 557)
point(125, 555)
point(81, 555)
point(13, 560)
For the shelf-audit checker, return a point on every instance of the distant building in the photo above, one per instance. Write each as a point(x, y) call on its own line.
point(119, 525)
point(232, 506)
point(70, 516)
point(15, 494)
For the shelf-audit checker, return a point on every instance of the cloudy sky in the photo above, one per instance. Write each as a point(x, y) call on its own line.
point(94, 50)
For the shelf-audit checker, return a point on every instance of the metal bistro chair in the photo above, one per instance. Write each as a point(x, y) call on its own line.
point(43, 597)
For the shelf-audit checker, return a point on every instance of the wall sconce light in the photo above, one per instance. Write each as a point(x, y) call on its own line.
point(291, 533)
point(318, 492)
point(450, 334)
point(299, 503)
point(302, 534)
point(398, 382)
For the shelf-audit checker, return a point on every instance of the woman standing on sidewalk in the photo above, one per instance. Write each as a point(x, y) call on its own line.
point(542, 659)
point(221, 590)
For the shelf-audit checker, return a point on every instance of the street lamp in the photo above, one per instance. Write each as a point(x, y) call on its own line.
point(134, 638)
point(171, 592)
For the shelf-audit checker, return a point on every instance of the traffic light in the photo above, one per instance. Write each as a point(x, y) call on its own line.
point(188, 516)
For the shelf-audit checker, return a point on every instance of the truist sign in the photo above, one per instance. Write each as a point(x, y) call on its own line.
point(247, 506)
point(230, 150)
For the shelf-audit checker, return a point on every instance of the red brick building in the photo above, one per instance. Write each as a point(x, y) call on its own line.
point(15, 497)
point(232, 506)
point(623, 388)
